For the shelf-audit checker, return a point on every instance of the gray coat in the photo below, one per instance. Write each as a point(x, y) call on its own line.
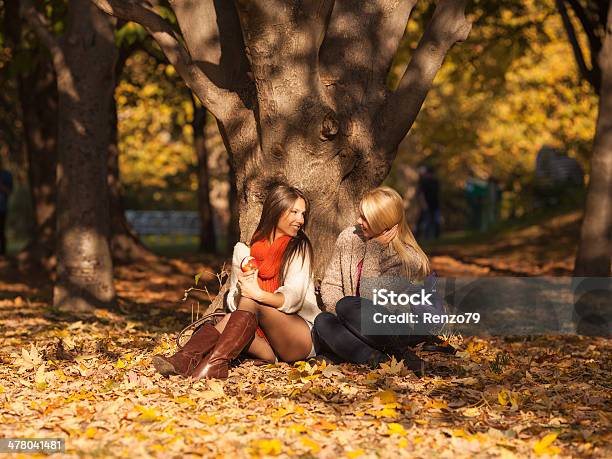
point(379, 262)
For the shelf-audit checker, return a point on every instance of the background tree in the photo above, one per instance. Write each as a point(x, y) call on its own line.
point(594, 254)
point(304, 103)
point(83, 59)
point(33, 70)
point(208, 240)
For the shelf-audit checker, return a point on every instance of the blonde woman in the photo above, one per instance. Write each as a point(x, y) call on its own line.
point(380, 247)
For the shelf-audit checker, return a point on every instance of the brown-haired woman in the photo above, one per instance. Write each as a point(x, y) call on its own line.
point(279, 296)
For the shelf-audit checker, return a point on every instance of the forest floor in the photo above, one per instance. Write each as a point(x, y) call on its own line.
point(91, 382)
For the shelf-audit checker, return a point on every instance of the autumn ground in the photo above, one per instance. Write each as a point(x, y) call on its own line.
point(91, 381)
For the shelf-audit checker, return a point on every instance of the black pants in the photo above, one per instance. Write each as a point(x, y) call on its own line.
point(2, 233)
point(340, 335)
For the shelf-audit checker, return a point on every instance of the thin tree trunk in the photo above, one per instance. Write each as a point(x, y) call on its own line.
point(595, 250)
point(208, 240)
point(233, 230)
point(126, 247)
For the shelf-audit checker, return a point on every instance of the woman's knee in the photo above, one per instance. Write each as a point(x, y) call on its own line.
point(348, 307)
point(247, 304)
point(324, 320)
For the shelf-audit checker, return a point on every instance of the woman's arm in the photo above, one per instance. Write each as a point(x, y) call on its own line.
point(241, 250)
point(295, 287)
point(332, 290)
point(249, 288)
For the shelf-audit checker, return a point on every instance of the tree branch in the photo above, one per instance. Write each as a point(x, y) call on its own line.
point(359, 46)
point(586, 73)
point(588, 26)
point(447, 27)
point(211, 30)
point(42, 28)
point(220, 102)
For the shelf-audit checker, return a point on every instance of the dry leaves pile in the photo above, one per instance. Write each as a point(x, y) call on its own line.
point(92, 383)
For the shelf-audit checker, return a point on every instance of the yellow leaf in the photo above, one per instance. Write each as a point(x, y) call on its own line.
point(208, 420)
point(313, 446)
point(298, 428)
point(41, 378)
point(402, 443)
point(266, 447)
point(417, 440)
point(544, 445)
point(148, 414)
point(324, 425)
point(91, 432)
point(386, 396)
point(355, 453)
point(508, 398)
point(393, 428)
point(387, 412)
point(437, 404)
point(120, 364)
point(185, 400)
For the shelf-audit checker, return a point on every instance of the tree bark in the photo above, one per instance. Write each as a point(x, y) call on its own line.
point(84, 61)
point(309, 106)
point(595, 249)
point(233, 230)
point(37, 88)
point(208, 240)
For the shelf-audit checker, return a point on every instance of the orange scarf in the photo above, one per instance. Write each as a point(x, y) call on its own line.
point(269, 258)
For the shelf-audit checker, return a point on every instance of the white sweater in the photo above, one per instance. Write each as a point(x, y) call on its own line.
point(298, 288)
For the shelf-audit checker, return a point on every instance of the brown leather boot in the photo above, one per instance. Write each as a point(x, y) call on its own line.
point(185, 360)
point(238, 332)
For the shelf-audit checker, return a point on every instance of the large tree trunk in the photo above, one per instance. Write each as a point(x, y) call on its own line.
point(84, 268)
point(299, 91)
point(208, 240)
point(38, 100)
point(84, 61)
point(595, 249)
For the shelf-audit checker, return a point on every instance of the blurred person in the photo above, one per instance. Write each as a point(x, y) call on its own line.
point(6, 188)
point(429, 190)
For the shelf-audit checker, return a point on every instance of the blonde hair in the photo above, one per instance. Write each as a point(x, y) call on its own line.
point(383, 208)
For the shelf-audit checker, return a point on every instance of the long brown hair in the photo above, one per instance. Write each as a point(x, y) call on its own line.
point(280, 200)
point(382, 207)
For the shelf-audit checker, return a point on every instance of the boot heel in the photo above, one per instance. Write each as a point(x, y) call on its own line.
point(163, 366)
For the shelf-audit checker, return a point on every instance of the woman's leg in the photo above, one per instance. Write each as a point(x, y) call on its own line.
point(348, 310)
point(259, 347)
point(288, 334)
point(349, 314)
point(331, 334)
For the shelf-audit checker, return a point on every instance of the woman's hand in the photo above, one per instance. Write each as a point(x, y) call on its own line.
point(249, 287)
point(386, 236)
